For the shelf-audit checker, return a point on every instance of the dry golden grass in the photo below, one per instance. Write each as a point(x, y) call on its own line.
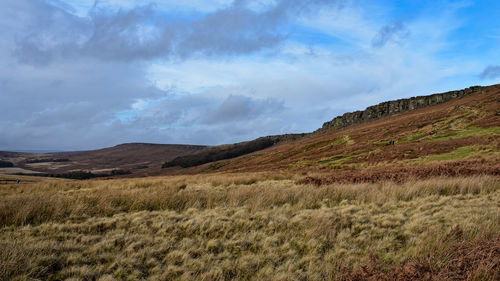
point(232, 227)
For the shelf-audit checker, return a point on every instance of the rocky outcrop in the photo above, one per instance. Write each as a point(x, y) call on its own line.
point(394, 107)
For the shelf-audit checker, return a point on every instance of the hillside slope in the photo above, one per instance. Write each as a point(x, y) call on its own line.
point(371, 113)
point(467, 141)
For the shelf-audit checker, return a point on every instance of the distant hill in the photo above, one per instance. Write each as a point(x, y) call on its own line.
point(137, 158)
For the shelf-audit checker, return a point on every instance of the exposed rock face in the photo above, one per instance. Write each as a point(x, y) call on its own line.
point(389, 108)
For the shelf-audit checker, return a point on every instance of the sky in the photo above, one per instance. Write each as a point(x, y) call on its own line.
point(85, 74)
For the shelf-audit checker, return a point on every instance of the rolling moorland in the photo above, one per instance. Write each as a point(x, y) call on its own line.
point(126, 157)
point(409, 194)
point(466, 143)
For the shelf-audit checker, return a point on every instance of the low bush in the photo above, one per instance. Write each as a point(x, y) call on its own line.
point(6, 164)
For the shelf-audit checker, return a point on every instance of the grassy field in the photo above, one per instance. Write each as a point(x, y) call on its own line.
point(260, 226)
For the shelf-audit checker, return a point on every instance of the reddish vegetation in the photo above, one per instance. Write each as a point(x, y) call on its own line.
point(413, 150)
point(477, 259)
point(405, 173)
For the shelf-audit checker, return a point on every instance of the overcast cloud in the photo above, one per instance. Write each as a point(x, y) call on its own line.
point(82, 74)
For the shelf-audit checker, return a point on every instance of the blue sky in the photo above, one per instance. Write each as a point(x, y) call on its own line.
point(84, 74)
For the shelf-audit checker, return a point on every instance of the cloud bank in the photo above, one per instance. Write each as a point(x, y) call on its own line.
point(144, 33)
point(83, 74)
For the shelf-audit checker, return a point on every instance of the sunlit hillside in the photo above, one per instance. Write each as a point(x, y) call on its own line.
point(459, 137)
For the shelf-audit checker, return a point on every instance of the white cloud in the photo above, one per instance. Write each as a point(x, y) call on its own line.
point(112, 86)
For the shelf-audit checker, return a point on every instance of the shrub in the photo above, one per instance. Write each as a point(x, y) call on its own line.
point(6, 164)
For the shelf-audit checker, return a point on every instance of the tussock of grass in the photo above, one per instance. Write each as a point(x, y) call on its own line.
point(231, 227)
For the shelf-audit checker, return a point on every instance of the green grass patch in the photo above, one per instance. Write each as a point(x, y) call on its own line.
point(450, 134)
point(471, 131)
point(345, 140)
point(459, 153)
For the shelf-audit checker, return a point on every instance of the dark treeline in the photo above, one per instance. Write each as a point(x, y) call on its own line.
point(6, 164)
point(45, 160)
point(83, 175)
point(222, 152)
point(80, 175)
